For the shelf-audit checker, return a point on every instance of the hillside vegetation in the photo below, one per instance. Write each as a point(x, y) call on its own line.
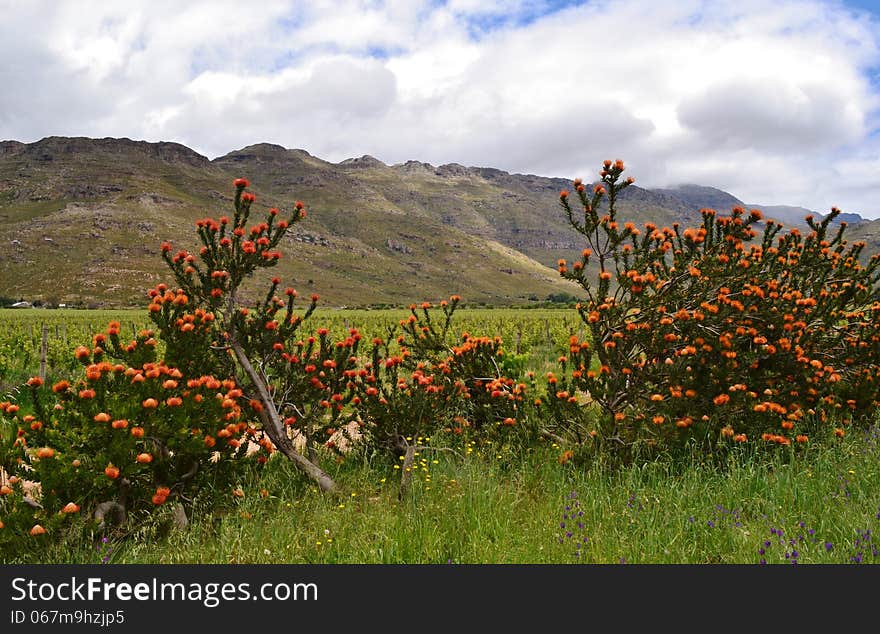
point(76, 213)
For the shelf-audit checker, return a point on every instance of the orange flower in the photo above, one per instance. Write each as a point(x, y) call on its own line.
point(721, 399)
point(5, 490)
point(238, 493)
point(37, 530)
point(111, 471)
point(70, 507)
point(150, 403)
point(45, 452)
point(509, 421)
point(137, 432)
point(566, 456)
point(120, 424)
point(144, 458)
point(839, 432)
point(61, 386)
point(101, 418)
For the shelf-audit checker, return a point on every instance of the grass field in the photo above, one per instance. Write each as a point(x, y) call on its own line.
point(488, 507)
point(491, 503)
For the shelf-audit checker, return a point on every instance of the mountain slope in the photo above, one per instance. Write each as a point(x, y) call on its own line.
point(81, 221)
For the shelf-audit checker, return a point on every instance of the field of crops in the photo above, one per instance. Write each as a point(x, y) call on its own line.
point(534, 335)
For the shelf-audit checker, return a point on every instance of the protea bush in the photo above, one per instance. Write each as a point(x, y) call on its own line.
point(734, 330)
point(137, 431)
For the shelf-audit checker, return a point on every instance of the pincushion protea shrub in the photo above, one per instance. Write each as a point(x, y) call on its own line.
point(429, 381)
point(121, 440)
point(207, 324)
point(724, 331)
point(136, 431)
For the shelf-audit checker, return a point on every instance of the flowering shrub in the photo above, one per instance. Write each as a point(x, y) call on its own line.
point(206, 325)
point(120, 439)
point(725, 330)
point(135, 431)
point(433, 383)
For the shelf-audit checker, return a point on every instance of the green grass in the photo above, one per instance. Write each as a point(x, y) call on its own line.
point(482, 504)
point(491, 507)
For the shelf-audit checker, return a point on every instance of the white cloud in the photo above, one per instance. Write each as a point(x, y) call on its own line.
point(773, 102)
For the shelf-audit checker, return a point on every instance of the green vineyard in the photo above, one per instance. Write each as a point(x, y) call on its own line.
point(535, 336)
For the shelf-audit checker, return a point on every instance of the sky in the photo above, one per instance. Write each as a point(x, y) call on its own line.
point(775, 102)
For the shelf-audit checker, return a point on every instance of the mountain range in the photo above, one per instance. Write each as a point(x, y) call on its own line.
point(82, 220)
